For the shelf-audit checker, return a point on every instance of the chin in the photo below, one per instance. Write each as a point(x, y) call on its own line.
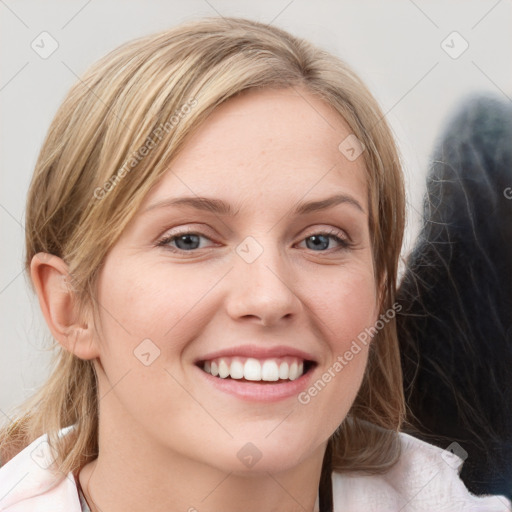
point(246, 458)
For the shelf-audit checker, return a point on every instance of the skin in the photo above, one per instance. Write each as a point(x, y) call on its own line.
point(169, 440)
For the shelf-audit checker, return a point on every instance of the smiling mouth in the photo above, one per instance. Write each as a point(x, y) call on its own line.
point(248, 369)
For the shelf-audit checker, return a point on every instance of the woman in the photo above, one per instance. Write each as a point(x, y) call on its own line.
point(213, 230)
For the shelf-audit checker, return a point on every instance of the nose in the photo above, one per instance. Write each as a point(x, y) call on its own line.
point(262, 286)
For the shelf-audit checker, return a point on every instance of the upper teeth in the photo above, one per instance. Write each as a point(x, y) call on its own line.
point(254, 369)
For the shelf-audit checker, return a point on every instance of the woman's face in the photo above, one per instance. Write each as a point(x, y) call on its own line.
point(279, 283)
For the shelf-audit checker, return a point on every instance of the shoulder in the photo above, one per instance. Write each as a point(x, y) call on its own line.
point(28, 482)
point(425, 478)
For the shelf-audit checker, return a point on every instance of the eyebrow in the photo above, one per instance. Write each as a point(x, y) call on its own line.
point(222, 208)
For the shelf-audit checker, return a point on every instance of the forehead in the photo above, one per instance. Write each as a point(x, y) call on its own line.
point(270, 146)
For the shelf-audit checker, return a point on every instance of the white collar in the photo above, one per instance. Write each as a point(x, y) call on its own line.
point(426, 478)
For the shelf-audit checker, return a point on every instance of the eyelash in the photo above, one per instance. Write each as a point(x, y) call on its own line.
point(164, 242)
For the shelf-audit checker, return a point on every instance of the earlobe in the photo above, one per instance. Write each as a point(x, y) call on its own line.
point(50, 275)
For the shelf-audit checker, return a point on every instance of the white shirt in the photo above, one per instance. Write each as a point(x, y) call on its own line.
point(425, 479)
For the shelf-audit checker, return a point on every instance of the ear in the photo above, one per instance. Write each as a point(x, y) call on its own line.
point(51, 279)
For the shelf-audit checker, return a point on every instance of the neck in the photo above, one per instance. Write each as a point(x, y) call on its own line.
point(112, 486)
point(133, 474)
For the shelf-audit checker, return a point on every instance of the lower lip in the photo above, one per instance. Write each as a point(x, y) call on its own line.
point(257, 392)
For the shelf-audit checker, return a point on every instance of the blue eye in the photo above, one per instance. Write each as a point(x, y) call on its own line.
point(321, 240)
point(186, 241)
point(190, 241)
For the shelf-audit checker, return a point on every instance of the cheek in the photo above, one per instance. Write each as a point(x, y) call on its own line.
point(347, 310)
point(347, 306)
point(167, 309)
point(158, 306)
point(149, 302)
point(139, 310)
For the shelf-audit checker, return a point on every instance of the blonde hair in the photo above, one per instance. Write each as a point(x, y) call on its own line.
point(90, 179)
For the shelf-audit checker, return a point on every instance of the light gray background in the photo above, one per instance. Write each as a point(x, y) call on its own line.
point(395, 46)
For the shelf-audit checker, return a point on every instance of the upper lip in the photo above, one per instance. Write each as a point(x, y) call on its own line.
point(257, 352)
